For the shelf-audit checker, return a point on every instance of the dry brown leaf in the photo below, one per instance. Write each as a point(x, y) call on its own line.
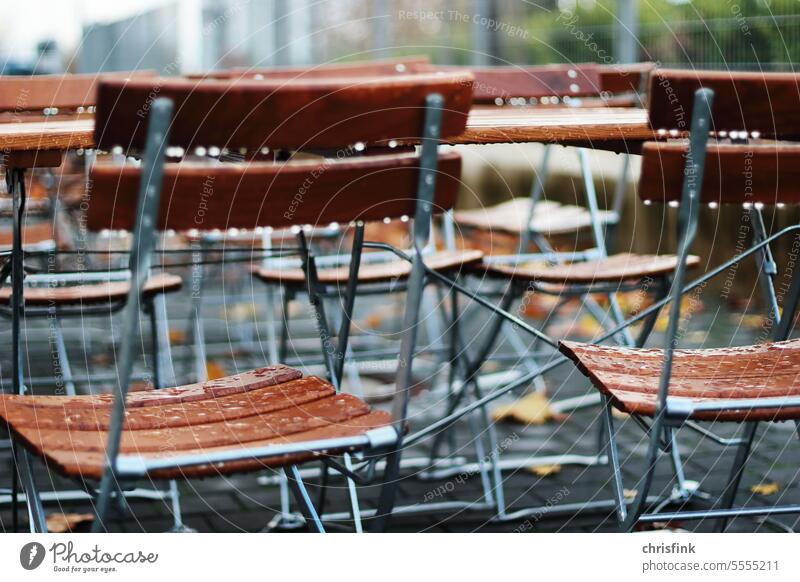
point(214, 370)
point(545, 470)
point(67, 522)
point(373, 320)
point(766, 488)
point(534, 408)
point(176, 336)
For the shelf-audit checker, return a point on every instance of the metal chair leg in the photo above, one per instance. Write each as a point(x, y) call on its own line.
point(612, 452)
point(36, 517)
point(65, 370)
point(728, 495)
point(303, 499)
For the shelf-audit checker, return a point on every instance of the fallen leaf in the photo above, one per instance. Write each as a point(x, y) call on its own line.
point(629, 493)
point(373, 320)
point(766, 488)
point(214, 370)
point(67, 522)
point(176, 336)
point(533, 408)
point(244, 311)
point(617, 413)
point(545, 470)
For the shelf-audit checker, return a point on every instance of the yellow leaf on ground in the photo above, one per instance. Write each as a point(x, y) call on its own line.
point(214, 370)
point(588, 326)
point(629, 493)
point(244, 311)
point(67, 522)
point(766, 488)
point(534, 408)
point(545, 470)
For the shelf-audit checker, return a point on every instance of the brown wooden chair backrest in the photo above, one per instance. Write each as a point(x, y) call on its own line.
point(494, 84)
point(36, 93)
point(376, 68)
point(734, 173)
point(265, 194)
point(619, 79)
point(305, 114)
point(767, 103)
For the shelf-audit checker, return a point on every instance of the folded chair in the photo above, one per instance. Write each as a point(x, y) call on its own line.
point(272, 416)
point(666, 389)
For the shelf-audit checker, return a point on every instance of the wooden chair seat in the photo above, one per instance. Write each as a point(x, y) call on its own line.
point(631, 376)
point(34, 234)
point(372, 273)
point(92, 293)
point(549, 218)
point(271, 405)
point(615, 268)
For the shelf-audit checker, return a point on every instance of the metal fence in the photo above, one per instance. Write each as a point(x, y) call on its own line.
point(761, 42)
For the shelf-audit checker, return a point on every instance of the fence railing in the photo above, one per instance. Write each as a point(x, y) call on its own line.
point(760, 42)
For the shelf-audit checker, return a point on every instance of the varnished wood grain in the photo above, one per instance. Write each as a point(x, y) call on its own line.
point(398, 66)
point(266, 406)
point(373, 272)
point(92, 293)
point(311, 113)
point(47, 135)
point(631, 376)
point(768, 173)
point(19, 94)
point(592, 126)
point(200, 196)
point(768, 103)
point(503, 83)
point(612, 269)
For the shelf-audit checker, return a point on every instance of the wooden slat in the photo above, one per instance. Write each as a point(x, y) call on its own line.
point(90, 465)
point(32, 233)
point(590, 126)
point(273, 405)
point(199, 434)
point(549, 218)
point(171, 413)
point(615, 268)
point(768, 103)
point(19, 94)
point(199, 196)
point(493, 83)
point(373, 272)
point(631, 78)
point(380, 67)
point(47, 135)
point(92, 293)
point(766, 173)
point(631, 376)
point(321, 113)
point(236, 384)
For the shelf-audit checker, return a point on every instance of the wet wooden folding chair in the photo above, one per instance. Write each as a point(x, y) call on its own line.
point(38, 114)
point(670, 388)
point(272, 416)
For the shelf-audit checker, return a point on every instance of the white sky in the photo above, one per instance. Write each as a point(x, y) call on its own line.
point(25, 22)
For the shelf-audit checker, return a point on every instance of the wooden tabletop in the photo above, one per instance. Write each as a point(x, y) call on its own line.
point(55, 134)
point(594, 127)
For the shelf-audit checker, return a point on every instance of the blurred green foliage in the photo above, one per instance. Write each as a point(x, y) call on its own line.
point(728, 33)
